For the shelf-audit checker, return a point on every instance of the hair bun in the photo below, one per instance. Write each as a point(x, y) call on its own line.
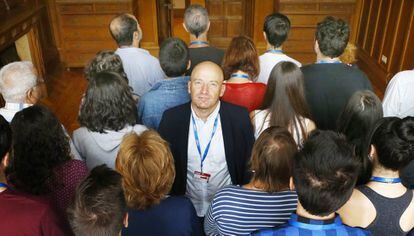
point(405, 130)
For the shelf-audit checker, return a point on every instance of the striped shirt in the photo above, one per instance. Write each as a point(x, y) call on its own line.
point(301, 226)
point(239, 211)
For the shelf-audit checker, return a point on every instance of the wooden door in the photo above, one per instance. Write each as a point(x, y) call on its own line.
point(229, 18)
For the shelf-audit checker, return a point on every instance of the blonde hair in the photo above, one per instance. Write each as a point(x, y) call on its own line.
point(147, 167)
point(349, 55)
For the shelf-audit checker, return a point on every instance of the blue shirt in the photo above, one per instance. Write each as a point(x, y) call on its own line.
point(165, 94)
point(301, 226)
point(240, 211)
point(174, 215)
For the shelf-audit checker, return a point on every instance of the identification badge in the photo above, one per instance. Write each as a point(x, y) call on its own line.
point(204, 177)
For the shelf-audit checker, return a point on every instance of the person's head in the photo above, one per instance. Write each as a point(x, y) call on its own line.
point(39, 144)
point(99, 207)
point(196, 20)
point(272, 157)
point(356, 121)
point(19, 83)
point(276, 29)
point(393, 143)
point(206, 85)
point(284, 96)
point(147, 168)
point(108, 104)
point(241, 55)
point(125, 30)
point(105, 61)
point(331, 37)
point(5, 142)
point(174, 57)
point(325, 172)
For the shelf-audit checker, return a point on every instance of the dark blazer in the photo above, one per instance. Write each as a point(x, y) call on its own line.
point(237, 136)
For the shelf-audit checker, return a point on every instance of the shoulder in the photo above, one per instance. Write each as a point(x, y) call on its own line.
point(403, 77)
point(80, 133)
point(178, 202)
point(356, 231)
point(139, 128)
point(177, 111)
point(232, 108)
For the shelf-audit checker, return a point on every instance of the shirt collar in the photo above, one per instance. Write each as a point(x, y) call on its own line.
point(304, 220)
point(16, 106)
point(212, 116)
point(134, 48)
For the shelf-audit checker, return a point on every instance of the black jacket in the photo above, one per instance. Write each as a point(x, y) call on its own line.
point(237, 136)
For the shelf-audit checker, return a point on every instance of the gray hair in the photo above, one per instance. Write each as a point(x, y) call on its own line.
point(16, 79)
point(196, 19)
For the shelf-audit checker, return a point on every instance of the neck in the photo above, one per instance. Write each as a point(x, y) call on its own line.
point(302, 212)
point(202, 113)
point(254, 185)
point(201, 37)
point(320, 57)
point(271, 47)
point(238, 80)
point(381, 172)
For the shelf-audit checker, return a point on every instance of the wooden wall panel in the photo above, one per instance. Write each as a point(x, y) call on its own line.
point(147, 17)
point(385, 39)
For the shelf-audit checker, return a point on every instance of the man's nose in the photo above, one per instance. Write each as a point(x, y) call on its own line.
point(204, 88)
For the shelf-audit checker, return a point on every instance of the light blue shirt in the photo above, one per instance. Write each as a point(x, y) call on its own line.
point(143, 70)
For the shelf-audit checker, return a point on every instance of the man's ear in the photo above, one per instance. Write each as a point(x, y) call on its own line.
point(188, 64)
point(185, 28)
point(223, 89)
point(208, 27)
point(126, 220)
point(291, 184)
point(316, 46)
point(264, 36)
point(189, 86)
point(5, 161)
point(31, 97)
point(372, 153)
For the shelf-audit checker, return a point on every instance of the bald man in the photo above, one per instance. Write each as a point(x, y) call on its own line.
point(142, 69)
point(211, 140)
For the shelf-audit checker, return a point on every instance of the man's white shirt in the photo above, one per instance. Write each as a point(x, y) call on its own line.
point(399, 95)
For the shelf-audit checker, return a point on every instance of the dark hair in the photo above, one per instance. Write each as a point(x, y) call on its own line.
point(39, 145)
point(324, 172)
point(356, 121)
point(272, 156)
point(108, 104)
point(105, 61)
point(241, 55)
point(5, 137)
point(174, 57)
point(123, 33)
point(276, 28)
point(393, 139)
point(284, 97)
point(332, 36)
point(196, 19)
point(99, 206)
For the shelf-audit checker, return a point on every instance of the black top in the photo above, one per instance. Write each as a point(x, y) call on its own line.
point(328, 88)
point(209, 53)
point(174, 215)
point(238, 141)
point(407, 175)
point(389, 211)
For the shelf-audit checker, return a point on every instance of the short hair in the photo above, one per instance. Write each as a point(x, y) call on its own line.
point(241, 55)
point(276, 28)
point(16, 79)
point(272, 157)
point(174, 57)
point(99, 206)
point(393, 139)
point(5, 137)
point(39, 144)
point(196, 19)
point(332, 36)
point(105, 60)
point(356, 121)
point(147, 167)
point(122, 29)
point(324, 172)
point(350, 54)
point(108, 104)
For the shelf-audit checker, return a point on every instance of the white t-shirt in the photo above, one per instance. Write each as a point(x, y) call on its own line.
point(399, 95)
point(268, 60)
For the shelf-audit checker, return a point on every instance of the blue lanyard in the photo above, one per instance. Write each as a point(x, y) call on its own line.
point(237, 75)
point(275, 51)
point(315, 226)
point(197, 42)
point(328, 62)
point(386, 180)
point(3, 185)
point(203, 157)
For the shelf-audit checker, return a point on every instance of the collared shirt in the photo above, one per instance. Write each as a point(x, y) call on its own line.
point(399, 95)
point(10, 109)
point(143, 70)
point(214, 164)
point(298, 225)
point(268, 60)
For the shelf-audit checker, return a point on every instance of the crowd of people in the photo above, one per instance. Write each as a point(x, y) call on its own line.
point(204, 142)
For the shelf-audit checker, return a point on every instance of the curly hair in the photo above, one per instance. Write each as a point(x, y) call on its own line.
point(241, 55)
point(39, 144)
point(332, 36)
point(147, 167)
point(105, 60)
point(108, 104)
